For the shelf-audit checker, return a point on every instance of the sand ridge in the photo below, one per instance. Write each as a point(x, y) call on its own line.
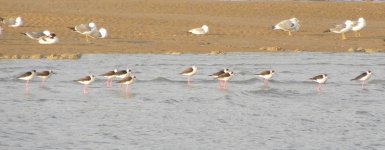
point(160, 26)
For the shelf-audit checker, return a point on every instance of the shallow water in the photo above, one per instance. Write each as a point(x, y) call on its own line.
point(162, 112)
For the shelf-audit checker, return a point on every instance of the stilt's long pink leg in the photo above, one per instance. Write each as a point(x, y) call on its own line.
point(85, 89)
point(362, 85)
point(111, 82)
point(319, 87)
point(127, 92)
point(42, 82)
point(27, 87)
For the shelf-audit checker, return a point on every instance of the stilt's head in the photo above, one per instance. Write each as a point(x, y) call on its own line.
point(194, 67)
point(51, 72)
point(93, 78)
point(129, 71)
point(369, 73)
point(133, 77)
point(33, 72)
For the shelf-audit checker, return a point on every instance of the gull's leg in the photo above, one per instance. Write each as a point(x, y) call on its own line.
point(87, 38)
point(343, 36)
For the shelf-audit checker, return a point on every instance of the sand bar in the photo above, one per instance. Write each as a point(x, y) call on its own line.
point(160, 26)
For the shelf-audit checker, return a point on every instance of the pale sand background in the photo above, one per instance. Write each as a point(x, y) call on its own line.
point(160, 26)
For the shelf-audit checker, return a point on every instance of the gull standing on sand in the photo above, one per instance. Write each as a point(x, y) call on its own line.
point(342, 28)
point(110, 75)
point(85, 29)
point(86, 81)
point(127, 81)
point(189, 72)
point(27, 76)
point(44, 75)
point(225, 77)
point(266, 75)
point(12, 22)
point(358, 26)
point(363, 77)
point(288, 25)
point(320, 79)
point(198, 31)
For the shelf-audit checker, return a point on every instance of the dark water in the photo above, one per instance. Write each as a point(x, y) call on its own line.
point(162, 112)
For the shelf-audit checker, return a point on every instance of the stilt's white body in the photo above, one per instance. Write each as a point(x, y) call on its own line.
point(123, 73)
point(28, 75)
point(225, 77)
point(189, 71)
point(363, 77)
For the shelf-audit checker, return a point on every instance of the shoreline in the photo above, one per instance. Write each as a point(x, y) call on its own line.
point(160, 27)
point(76, 56)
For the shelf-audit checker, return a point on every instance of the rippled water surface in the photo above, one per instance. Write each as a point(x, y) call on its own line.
point(162, 112)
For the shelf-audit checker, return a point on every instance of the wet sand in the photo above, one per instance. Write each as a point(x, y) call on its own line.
point(160, 26)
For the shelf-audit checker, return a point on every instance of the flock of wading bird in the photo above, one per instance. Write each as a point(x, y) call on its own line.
point(126, 76)
point(47, 37)
point(223, 76)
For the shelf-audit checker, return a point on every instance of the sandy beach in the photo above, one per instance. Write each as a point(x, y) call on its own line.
point(160, 26)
